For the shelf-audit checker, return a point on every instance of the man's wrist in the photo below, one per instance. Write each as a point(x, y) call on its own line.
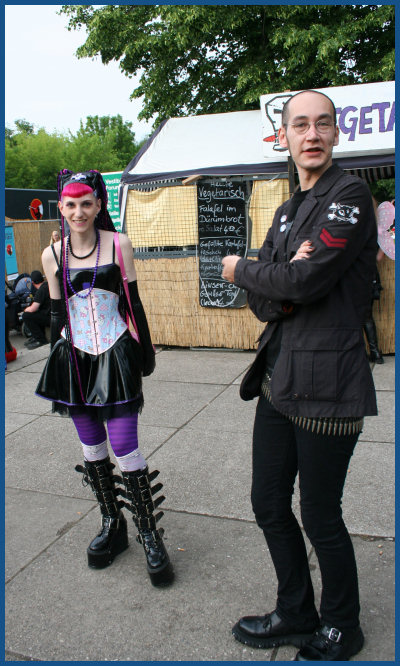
point(238, 271)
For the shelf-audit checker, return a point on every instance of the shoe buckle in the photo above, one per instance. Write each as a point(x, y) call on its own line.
point(334, 635)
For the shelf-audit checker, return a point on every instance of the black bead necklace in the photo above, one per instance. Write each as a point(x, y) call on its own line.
point(90, 289)
point(91, 251)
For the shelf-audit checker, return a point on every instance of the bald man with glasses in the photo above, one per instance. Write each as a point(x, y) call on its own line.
point(313, 382)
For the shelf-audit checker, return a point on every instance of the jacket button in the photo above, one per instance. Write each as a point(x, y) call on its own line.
point(306, 396)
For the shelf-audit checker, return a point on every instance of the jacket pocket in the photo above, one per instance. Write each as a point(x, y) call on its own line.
point(320, 364)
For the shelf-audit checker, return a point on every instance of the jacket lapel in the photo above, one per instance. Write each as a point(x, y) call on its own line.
point(302, 216)
point(280, 244)
point(306, 207)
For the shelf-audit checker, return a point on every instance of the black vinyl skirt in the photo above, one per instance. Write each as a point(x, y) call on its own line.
point(111, 382)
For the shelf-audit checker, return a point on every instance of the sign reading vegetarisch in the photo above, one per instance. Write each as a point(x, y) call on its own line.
point(365, 114)
point(221, 209)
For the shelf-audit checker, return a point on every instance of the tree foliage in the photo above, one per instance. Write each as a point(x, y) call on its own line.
point(114, 130)
point(33, 158)
point(209, 59)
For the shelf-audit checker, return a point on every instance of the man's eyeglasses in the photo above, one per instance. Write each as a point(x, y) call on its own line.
point(322, 126)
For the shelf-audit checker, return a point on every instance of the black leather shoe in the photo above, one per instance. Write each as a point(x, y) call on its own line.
point(330, 644)
point(36, 343)
point(265, 631)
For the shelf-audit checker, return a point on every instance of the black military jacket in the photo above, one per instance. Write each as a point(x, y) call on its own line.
point(322, 369)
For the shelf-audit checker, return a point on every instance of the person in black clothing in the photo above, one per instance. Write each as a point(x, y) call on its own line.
point(10, 351)
point(375, 354)
point(37, 315)
point(312, 284)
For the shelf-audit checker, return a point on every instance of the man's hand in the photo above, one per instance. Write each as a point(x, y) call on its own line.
point(304, 251)
point(228, 267)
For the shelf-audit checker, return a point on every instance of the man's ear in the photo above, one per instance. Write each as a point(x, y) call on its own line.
point(282, 138)
point(336, 139)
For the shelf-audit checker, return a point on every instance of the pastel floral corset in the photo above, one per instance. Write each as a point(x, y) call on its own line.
point(95, 321)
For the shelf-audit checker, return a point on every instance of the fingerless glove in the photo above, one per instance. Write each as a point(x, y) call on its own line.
point(143, 329)
point(56, 321)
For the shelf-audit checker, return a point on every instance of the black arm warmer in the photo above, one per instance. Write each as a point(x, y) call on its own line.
point(143, 329)
point(57, 320)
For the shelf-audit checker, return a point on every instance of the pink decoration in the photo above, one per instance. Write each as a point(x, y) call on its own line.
point(386, 228)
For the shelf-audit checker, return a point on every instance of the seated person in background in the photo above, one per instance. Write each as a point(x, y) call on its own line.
point(11, 352)
point(37, 315)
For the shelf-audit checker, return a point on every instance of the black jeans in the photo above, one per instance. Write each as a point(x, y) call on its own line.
point(37, 322)
point(280, 451)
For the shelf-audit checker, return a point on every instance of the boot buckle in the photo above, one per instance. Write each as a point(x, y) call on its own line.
point(334, 635)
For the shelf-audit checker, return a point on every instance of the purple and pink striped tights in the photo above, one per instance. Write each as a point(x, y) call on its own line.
point(123, 436)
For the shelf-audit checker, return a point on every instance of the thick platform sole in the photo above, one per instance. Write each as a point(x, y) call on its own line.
point(99, 559)
point(352, 649)
point(163, 576)
point(298, 640)
point(357, 646)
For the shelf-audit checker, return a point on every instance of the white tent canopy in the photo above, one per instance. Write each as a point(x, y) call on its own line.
point(197, 143)
point(228, 144)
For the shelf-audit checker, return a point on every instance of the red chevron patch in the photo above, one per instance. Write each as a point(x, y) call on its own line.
point(331, 241)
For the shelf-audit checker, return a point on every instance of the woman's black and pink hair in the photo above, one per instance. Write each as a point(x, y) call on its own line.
point(77, 190)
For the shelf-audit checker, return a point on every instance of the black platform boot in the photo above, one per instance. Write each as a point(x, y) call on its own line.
point(113, 536)
point(375, 355)
point(139, 494)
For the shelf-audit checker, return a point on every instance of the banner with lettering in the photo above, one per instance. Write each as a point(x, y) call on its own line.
point(112, 181)
point(365, 114)
point(222, 231)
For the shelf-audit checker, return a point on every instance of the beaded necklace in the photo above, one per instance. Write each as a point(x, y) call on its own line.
point(85, 256)
point(67, 250)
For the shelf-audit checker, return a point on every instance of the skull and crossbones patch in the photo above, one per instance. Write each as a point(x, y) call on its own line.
point(343, 213)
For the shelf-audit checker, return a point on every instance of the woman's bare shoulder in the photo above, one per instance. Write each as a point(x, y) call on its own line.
point(47, 254)
point(125, 244)
point(124, 240)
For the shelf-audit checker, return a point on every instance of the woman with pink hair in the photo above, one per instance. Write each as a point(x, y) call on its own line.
point(95, 368)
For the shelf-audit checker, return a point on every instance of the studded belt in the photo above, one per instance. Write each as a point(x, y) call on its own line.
point(330, 425)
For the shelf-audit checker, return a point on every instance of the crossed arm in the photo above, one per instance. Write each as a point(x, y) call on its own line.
point(229, 262)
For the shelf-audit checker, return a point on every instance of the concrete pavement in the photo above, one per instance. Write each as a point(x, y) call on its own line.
point(197, 431)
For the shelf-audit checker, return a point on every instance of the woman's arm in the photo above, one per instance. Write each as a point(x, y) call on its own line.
point(137, 307)
point(57, 308)
point(50, 268)
point(127, 255)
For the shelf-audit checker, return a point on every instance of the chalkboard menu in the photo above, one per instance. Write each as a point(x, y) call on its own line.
point(221, 209)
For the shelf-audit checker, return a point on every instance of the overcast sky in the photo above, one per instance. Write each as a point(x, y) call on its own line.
point(48, 86)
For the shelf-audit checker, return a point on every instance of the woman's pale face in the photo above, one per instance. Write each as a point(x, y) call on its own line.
point(80, 212)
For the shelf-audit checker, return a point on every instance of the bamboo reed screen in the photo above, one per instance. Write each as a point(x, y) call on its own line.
point(31, 237)
point(384, 310)
point(169, 289)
